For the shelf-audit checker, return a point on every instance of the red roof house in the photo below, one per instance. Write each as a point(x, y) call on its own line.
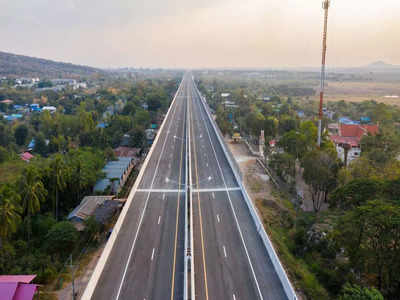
point(348, 139)
point(7, 101)
point(26, 156)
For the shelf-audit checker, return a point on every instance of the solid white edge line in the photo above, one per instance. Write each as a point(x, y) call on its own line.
point(232, 207)
point(89, 290)
point(145, 205)
point(280, 270)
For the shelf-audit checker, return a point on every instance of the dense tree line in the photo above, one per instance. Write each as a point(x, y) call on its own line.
point(70, 150)
point(352, 246)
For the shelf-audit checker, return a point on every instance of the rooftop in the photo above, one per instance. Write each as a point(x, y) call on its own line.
point(126, 152)
point(87, 207)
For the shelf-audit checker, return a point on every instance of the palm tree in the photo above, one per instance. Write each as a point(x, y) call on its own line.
point(60, 174)
point(33, 192)
point(9, 211)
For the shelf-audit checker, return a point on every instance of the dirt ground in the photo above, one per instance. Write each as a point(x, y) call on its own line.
point(83, 275)
point(257, 183)
point(363, 91)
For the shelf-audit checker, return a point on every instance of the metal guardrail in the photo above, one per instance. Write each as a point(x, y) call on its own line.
point(287, 286)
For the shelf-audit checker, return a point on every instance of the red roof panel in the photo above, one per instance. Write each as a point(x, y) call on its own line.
point(17, 278)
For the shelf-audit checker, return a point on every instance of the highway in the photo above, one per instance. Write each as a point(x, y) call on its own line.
point(230, 260)
point(146, 260)
point(145, 256)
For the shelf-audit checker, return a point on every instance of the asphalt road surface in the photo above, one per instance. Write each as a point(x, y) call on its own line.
point(147, 259)
point(230, 261)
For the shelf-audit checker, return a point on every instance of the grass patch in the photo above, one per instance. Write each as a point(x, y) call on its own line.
point(11, 170)
point(279, 230)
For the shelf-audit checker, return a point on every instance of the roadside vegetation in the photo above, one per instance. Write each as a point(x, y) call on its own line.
point(347, 246)
point(70, 149)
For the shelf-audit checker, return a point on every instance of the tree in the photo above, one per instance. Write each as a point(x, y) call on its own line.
point(61, 238)
point(137, 137)
point(320, 173)
point(5, 136)
point(20, 134)
point(310, 131)
point(356, 193)
point(33, 193)
point(142, 118)
point(4, 156)
point(370, 235)
point(355, 292)
point(10, 211)
point(41, 145)
point(287, 124)
point(294, 143)
point(60, 174)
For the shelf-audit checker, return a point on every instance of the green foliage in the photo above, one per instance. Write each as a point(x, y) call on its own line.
point(4, 155)
point(138, 138)
point(40, 145)
point(356, 193)
point(320, 173)
point(21, 134)
point(370, 235)
point(61, 238)
point(10, 211)
point(6, 136)
point(382, 147)
point(355, 292)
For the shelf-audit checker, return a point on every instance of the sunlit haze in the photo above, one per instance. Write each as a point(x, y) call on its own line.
point(206, 33)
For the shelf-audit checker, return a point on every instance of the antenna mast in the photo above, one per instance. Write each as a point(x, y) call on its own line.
point(325, 6)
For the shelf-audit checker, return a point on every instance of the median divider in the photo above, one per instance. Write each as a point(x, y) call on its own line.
point(287, 286)
point(88, 293)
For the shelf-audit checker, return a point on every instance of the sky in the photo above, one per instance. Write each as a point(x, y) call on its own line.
point(201, 33)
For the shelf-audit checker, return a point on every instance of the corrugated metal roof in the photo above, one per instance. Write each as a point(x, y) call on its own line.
point(87, 206)
point(113, 169)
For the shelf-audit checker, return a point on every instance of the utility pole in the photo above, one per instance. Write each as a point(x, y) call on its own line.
point(325, 6)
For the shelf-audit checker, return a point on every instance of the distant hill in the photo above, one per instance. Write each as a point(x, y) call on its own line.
point(381, 65)
point(25, 66)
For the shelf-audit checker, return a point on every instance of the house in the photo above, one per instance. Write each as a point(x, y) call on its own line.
point(31, 145)
point(26, 156)
point(7, 101)
point(102, 125)
point(328, 113)
point(100, 207)
point(35, 107)
point(225, 95)
point(13, 117)
point(150, 135)
point(50, 109)
point(348, 140)
point(117, 172)
point(127, 152)
point(17, 287)
point(230, 104)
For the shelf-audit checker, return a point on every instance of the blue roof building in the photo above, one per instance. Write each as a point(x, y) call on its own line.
point(117, 173)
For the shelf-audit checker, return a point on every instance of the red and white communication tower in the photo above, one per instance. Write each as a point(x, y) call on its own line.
point(325, 6)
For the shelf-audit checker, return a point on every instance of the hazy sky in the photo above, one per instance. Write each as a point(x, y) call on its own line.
point(201, 33)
